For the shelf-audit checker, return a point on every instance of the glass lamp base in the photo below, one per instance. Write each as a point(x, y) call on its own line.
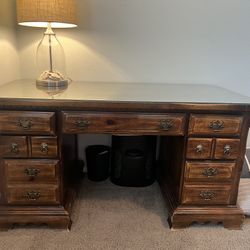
point(52, 84)
point(52, 90)
point(52, 79)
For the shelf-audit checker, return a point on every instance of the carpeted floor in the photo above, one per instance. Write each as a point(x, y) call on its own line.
point(111, 217)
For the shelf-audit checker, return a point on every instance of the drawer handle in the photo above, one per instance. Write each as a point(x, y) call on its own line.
point(199, 149)
point(82, 124)
point(166, 124)
point(25, 124)
point(210, 172)
point(32, 172)
point(207, 195)
point(216, 125)
point(14, 148)
point(44, 148)
point(227, 150)
point(33, 195)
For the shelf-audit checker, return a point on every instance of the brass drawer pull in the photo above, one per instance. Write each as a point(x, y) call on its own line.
point(14, 148)
point(199, 149)
point(32, 195)
point(166, 124)
point(44, 148)
point(207, 195)
point(32, 172)
point(227, 150)
point(25, 124)
point(216, 125)
point(82, 124)
point(210, 172)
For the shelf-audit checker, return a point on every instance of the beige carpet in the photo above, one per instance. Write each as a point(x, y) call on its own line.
point(112, 217)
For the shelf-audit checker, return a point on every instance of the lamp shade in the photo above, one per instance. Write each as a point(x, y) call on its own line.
point(38, 13)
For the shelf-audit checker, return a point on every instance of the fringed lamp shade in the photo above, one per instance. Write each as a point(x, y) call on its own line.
point(38, 13)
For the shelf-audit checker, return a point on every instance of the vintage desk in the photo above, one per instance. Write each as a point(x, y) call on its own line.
point(202, 130)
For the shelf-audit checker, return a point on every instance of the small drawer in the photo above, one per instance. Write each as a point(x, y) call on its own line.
point(33, 195)
point(215, 125)
point(31, 171)
point(209, 171)
point(227, 149)
point(198, 148)
point(206, 194)
point(14, 146)
point(44, 147)
point(25, 122)
point(123, 123)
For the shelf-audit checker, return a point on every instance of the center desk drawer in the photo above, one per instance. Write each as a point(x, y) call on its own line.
point(31, 171)
point(86, 122)
point(215, 125)
point(27, 122)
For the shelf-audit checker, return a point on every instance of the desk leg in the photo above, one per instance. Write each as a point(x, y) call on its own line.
point(52, 221)
point(230, 217)
point(181, 216)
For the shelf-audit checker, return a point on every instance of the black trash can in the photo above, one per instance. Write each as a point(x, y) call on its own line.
point(98, 162)
point(133, 160)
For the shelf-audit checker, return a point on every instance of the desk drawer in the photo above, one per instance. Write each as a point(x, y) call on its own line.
point(209, 171)
point(227, 149)
point(129, 123)
point(33, 195)
point(206, 194)
point(31, 171)
point(26, 122)
point(199, 148)
point(44, 147)
point(14, 146)
point(215, 125)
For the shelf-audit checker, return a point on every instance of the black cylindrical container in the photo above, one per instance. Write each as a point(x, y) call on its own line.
point(98, 162)
point(133, 160)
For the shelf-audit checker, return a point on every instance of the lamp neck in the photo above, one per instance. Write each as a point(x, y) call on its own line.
point(49, 30)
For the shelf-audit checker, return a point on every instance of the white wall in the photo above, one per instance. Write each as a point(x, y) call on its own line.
point(9, 63)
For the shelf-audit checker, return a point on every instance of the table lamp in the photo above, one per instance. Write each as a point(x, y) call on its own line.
point(50, 55)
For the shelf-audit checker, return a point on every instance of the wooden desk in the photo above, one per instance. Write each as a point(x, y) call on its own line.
point(202, 129)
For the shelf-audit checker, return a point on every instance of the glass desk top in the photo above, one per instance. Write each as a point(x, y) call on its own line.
point(125, 92)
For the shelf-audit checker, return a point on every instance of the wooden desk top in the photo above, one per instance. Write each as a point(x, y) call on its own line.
point(124, 95)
